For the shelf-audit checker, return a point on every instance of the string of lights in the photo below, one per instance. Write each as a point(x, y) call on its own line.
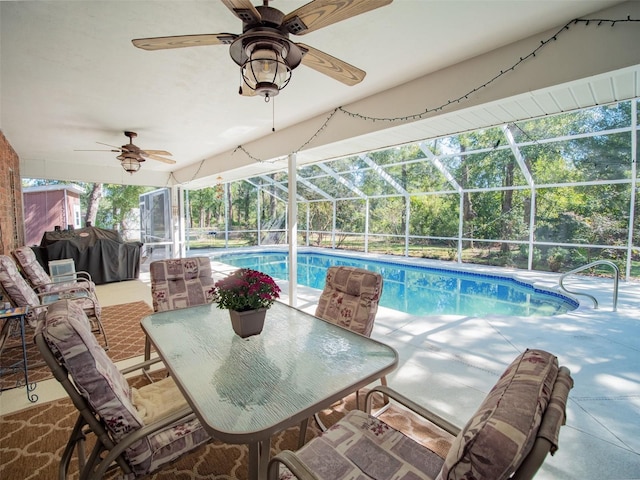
point(543, 43)
point(319, 131)
point(244, 150)
point(193, 177)
point(429, 110)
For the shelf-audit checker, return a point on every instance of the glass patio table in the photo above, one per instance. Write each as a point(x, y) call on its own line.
point(246, 390)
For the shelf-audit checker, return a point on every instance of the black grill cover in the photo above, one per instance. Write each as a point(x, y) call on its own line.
point(98, 251)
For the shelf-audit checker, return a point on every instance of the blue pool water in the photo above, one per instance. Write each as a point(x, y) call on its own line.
point(419, 290)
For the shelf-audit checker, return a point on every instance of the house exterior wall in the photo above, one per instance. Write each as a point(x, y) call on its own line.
point(45, 210)
point(11, 214)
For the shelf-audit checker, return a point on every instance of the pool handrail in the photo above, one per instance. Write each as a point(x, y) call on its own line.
point(585, 267)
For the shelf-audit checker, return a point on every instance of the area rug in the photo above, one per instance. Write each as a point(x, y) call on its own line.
point(32, 442)
point(121, 324)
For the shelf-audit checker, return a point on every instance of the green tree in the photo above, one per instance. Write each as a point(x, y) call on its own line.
point(243, 205)
point(93, 203)
point(117, 205)
point(320, 219)
point(205, 207)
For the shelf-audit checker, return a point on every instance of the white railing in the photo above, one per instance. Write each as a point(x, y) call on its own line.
point(585, 267)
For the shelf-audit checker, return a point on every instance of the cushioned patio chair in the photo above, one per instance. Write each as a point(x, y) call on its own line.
point(22, 295)
point(350, 299)
point(18, 291)
point(509, 436)
point(139, 430)
point(179, 283)
point(40, 281)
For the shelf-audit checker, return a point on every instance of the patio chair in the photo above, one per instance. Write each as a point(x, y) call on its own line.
point(511, 433)
point(350, 299)
point(139, 430)
point(179, 283)
point(22, 295)
point(40, 281)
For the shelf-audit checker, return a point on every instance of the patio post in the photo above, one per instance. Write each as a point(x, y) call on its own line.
point(292, 231)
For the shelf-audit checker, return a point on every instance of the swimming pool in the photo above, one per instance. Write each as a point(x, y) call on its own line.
point(419, 290)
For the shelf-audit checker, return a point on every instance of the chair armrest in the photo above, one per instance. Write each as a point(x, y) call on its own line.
point(141, 365)
point(80, 276)
point(302, 472)
point(38, 309)
point(413, 406)
point(183, 415)
point(61, 287)
point(66, 290)
point(83, 275)
point(293, 463)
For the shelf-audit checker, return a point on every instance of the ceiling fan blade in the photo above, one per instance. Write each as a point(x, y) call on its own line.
point(320, 13)
point(160, 159)
point(331, 66)
point(180, 41)
point(107, 145)
point(154, 152)
point(244, 10)
point(116, 151)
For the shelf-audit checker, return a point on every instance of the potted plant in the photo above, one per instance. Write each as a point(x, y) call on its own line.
point(247, 294)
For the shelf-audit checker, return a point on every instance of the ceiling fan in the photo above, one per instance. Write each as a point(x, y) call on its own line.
point(131, 155)
point(264, 52)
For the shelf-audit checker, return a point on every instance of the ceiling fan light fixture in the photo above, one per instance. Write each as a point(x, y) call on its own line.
point(130, 165)
point(129, 161)
point(265, 35)
point(265, 71)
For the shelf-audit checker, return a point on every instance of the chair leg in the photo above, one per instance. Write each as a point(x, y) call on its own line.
point(147, 356)
point(96, 325)
point(76, 442)
point(98, 329)
point(385, 406)
point(302, 436)
point(386, 403)
point(104, 334)
point(321, 425)
point(147, 350)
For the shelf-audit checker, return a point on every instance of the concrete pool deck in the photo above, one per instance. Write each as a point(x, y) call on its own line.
point(449, 363)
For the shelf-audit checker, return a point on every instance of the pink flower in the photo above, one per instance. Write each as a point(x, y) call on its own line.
point(246, 289)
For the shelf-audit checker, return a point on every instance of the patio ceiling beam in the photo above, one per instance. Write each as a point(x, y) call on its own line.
point(435, 161)
point(282, 188)
point(341, 180)
point(314, 188)
point(259, 186)
point(517, 154)
point(384, 175)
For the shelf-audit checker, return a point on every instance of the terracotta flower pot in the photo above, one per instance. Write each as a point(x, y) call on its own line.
point(248, 323)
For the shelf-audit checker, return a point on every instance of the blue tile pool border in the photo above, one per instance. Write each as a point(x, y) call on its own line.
point(568, 301)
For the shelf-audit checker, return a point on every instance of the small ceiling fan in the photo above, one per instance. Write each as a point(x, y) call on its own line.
point(131, 155)
point(264, 52)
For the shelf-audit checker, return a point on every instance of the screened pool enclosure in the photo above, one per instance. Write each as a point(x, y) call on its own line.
point(550, 193)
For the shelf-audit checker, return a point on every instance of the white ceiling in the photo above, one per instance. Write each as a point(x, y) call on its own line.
point(70, 77)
